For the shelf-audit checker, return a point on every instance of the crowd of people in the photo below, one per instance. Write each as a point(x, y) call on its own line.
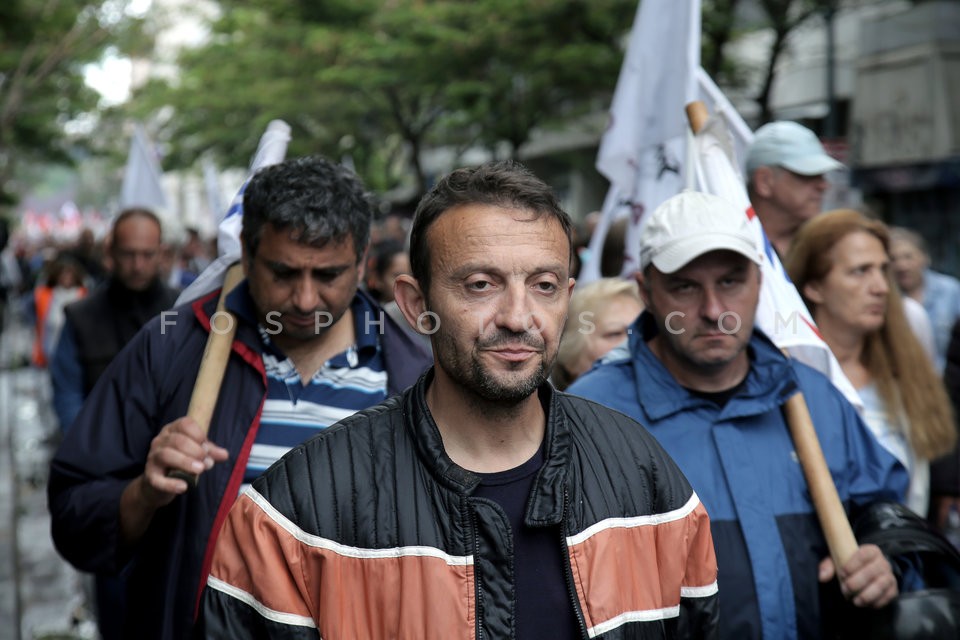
point(427, 429)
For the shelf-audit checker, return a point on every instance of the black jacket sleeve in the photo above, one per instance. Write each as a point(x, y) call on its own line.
point(945, 471)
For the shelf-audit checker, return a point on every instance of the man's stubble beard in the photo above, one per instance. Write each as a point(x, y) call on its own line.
point(469, 371)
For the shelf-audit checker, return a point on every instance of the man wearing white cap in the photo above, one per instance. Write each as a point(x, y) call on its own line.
point(786, 179)
point(710, 387)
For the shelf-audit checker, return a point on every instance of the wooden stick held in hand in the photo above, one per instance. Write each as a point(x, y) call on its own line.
point(823, 492)
point(213, 364)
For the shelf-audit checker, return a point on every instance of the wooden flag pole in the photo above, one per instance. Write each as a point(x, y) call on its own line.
point(213, 363)
point(823, 492)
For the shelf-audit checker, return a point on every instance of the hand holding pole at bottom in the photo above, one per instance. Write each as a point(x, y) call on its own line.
point(866, 579)
point(181, 447)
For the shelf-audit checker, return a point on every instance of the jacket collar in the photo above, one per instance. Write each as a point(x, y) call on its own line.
point(122, 297)
point(241, 305)
point(770, 381)
point(545, 506)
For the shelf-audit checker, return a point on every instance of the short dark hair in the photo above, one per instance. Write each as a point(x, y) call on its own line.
point(318, 200)
point(503, 183)
point(383, 254)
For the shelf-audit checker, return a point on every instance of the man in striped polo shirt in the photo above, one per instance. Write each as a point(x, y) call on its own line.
point(310, 349)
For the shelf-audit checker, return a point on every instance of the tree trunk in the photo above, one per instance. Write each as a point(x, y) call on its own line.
point(763, 99)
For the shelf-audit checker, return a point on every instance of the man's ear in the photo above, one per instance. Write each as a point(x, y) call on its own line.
point(763, 178)
point(412, 303)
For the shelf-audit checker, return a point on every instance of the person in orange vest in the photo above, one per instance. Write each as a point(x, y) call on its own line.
point(63, 285)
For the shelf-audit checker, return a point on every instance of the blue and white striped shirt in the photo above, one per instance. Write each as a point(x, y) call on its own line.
point(293, 411)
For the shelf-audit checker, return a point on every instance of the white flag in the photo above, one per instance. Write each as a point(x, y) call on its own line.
point(781, 313)
point(211, 184)
point(142, 177)
point(643, 151)
point(271, 150)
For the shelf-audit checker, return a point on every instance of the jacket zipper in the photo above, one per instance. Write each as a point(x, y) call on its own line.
point(476, 573)
point(568, 569)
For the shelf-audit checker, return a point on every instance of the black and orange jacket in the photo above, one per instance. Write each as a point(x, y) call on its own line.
point(369, 530)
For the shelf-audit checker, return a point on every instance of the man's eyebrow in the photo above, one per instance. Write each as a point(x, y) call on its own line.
point(465, 270)
point(737, 269)
point(673, 278)
point(558, 267)
point(492, 269)
point(276, 265)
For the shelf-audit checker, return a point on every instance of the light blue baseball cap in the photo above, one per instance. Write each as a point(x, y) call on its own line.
point(791, 146)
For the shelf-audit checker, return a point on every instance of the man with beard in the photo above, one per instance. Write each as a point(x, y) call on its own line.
point(310, 349)
point(481, 502)
point(711, 387)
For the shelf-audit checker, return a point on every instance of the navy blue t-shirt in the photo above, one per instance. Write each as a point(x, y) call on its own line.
point(544, 607)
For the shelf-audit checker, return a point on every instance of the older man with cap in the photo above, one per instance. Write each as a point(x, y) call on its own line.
point(786, 179)
point(710, 387)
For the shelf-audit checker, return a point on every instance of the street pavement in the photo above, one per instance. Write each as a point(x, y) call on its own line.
point(41, 596)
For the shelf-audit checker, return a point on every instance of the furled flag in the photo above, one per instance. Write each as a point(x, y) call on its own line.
point(643, 151)
point(781, 313)
point(271, 150)
point(739, 131)
point(142, 177)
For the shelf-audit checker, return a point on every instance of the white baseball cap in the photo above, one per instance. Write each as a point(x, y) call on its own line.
point(791, 146)
point(691, 224)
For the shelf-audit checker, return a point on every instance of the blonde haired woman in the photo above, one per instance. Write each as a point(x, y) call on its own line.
point(598, 319)
point(840, 263)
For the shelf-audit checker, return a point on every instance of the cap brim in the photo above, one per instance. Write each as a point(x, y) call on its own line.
point(812, 165)
point(681, 253)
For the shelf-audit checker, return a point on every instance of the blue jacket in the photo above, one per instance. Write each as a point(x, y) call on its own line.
point(941, 301)
point(147, 386)
point(741, 462)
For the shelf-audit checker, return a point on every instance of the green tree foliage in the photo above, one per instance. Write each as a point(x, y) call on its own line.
point(385, 79)
point(44, 45)
point(541, 68)
point(718, 28)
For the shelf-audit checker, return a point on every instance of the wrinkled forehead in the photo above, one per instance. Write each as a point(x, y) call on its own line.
point(495, 230)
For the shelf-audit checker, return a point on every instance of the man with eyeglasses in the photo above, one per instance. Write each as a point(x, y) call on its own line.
point(786, 179)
